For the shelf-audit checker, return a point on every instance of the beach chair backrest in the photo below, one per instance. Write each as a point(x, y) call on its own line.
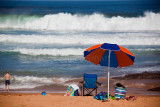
point(90, 80)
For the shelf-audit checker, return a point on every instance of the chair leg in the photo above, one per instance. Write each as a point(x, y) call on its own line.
point(83, 90)
point(90, 91)
point(96, 91)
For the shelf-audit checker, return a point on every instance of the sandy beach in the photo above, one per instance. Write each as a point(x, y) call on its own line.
point(58, 100)
point(147, 95)
point(145, 86)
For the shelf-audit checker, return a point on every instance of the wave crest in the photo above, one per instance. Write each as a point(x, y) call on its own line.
point(33, 81)
point(63, 51)
point(51, 52)
point(85, 39)
point(94, 22)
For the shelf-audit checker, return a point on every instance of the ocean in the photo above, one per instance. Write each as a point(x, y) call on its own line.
point(42, 42)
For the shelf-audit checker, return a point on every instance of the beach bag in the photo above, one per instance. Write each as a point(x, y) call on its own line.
point(120, 93)
point(72, 90)
point(101, 96)
point(44, 93)
point(76, 93)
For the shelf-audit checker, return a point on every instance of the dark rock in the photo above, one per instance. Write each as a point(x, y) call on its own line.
point(154, 89)
point(144, 75)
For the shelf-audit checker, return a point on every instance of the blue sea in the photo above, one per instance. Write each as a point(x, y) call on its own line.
point(42, 42)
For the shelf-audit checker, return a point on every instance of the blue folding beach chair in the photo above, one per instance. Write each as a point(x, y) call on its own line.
point(90, 84)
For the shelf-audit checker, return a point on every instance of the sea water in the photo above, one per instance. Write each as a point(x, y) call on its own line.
point(42, 42)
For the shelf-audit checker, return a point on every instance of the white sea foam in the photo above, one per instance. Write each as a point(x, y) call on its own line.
point(147, 49)
point(52, 52)
point(141, 38)
point(94, 22)
point(32, 81)
point(63, 51)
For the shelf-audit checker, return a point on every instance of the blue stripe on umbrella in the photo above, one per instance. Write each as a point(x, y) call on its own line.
point(131, 57)
point(113, 59)
point(112, 47)
point(88, 52)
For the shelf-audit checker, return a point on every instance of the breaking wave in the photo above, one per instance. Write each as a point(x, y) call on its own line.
point(151, 38)
point(63, 51)
point(52, 52)
point(94, 22)
point(32, 81)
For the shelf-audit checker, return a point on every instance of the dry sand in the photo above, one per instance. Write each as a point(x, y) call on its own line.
point(58, 100)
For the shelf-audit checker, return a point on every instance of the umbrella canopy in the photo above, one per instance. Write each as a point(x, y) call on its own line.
point(111, 55)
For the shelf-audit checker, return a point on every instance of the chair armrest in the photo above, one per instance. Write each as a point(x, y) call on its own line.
point(99, 83)
point(82, 82)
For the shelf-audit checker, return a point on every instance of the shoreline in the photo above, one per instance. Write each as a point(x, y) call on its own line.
point(144, 83)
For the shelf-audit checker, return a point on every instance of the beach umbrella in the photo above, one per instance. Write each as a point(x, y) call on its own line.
point(110, 55)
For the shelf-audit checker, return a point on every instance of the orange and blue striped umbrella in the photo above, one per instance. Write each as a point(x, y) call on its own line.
point(119, 56)
point(111, 55)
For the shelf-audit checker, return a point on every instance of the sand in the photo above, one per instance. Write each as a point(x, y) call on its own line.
point(20, 98)
point(58, 100)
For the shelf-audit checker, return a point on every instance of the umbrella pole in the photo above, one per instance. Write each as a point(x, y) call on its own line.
point(108, 70)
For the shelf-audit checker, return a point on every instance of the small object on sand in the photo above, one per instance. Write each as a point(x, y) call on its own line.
point(112, 97)
point(44, 93)
point(134, 98)
point(101, 96)
point(117, 99)
point(131, 98)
